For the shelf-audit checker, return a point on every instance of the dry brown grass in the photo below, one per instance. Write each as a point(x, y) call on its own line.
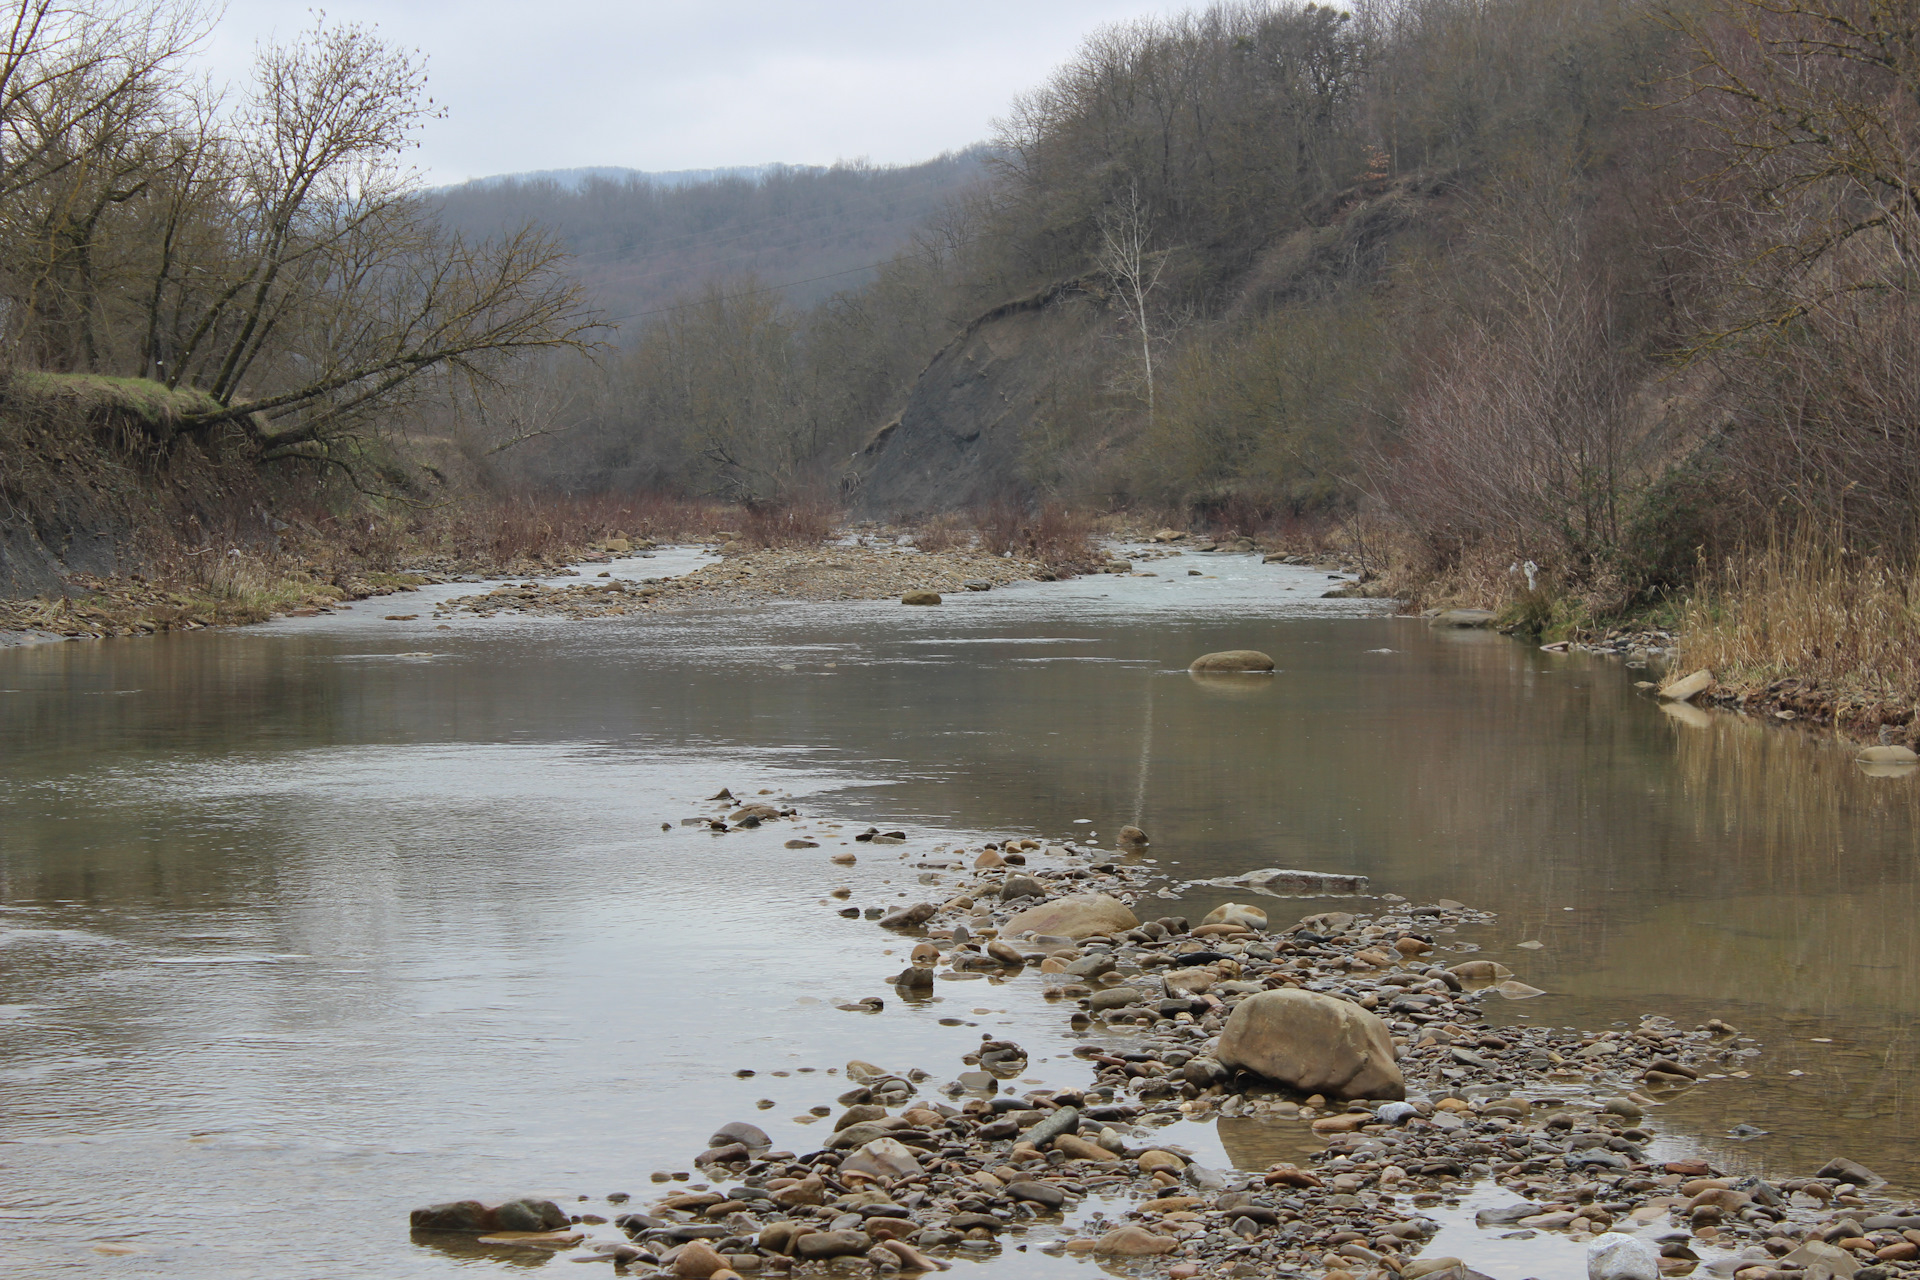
point(1802, 609)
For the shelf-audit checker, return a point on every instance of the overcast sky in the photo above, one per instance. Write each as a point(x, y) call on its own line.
point(663, 84)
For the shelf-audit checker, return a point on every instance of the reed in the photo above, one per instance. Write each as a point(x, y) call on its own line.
point(1812, 609)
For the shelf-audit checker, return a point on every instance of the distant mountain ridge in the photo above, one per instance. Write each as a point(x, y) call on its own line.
point(574, 179)
point(644, 243)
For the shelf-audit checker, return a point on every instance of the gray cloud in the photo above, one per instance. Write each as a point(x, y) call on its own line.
point(661, 85)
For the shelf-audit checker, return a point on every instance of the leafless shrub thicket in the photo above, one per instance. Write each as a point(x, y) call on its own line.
point(1810, 143)
point(1056, 536)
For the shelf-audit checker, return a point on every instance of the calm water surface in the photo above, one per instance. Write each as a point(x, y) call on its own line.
point(298, 931)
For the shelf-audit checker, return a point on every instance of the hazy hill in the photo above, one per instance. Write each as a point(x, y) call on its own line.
point(645, 241)
point(573, 179)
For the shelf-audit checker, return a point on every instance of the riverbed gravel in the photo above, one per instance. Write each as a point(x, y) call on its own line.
point(923, 1167)
point(750, 575)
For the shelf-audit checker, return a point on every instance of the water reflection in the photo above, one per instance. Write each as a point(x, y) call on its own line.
point(298, 933)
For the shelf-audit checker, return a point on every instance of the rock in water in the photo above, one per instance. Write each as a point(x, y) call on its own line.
point(1461, 619)
point(882, 1158)
point(697, 1260)
point(1397, 1113)
point(1313, 1043)
point(1237, 913)
point(456, 1215)
point(1113, 998)
point(1890, 754)
point(472, 1216)
point(1022, 887)
point(749, 1136)
point(1687, 688)
point(1079, 916)
point(909, 917)
point(1040, 1193)
point(1618, 1256)
point(1279, 880)
point(1842, 1169)
point(1822, 1261)
point(1481, 971)
point(818, 1246)
point(1233, 660)
point(1132, 836)
point(1062, 1120)
point(1004, 954)
point(920, 596)
point(1134, 1242)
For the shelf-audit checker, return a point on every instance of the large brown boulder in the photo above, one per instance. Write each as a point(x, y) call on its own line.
point(1076, 917)
point(1251, 660)
point(1313, 1043)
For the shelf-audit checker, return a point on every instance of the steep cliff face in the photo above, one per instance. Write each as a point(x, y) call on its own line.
point(965, 436)
point(88, 469)
point(1033, 397)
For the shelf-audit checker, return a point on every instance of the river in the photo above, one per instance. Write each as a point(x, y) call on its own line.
point(306, 924)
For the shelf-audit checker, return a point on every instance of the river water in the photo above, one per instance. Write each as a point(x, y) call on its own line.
point(304, 925)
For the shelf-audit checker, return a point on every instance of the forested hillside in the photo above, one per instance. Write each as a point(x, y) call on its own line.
point(1611, 286)
point(1621, 288)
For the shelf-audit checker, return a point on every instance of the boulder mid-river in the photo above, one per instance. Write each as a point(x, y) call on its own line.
point(1251, 661)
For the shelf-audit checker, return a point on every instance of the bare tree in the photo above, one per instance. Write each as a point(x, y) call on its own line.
point(1126, 257)
point(1811, 109)
point(277, 258)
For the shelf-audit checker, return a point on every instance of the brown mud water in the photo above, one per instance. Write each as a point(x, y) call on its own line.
point(311, 924)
